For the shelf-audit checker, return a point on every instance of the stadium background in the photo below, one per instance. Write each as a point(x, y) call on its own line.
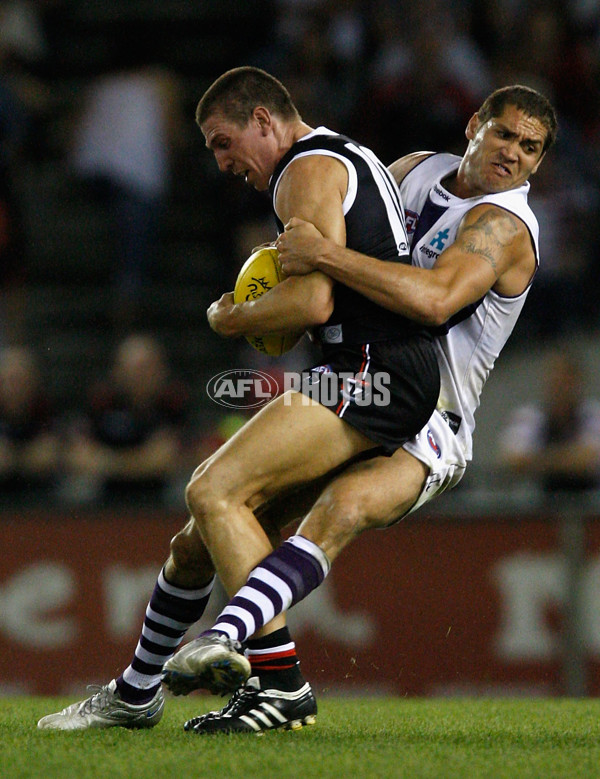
point(490, 592)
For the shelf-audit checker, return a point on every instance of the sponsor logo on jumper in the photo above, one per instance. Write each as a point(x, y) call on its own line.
point(440, 239)
point(429, 252)
point(439, 191)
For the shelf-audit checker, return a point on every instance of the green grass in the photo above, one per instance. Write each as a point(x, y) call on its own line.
point(353, 738)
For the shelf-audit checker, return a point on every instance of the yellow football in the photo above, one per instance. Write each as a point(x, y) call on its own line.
point(260, 273)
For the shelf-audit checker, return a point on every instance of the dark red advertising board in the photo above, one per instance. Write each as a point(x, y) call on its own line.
point(428, 607)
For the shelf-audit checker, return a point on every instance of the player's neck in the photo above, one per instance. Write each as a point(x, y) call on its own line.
point(300, 129)
point(451, 185)
point(289, 133)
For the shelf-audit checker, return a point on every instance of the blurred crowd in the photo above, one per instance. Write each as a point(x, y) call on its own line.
point(133, 439)
point(553, 443)
point(395, 75)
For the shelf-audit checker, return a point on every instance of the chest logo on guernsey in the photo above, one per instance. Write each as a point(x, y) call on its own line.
point(412, 220)
point(439, 239)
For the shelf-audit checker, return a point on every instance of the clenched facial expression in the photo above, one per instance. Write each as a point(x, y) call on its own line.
point(503, 152)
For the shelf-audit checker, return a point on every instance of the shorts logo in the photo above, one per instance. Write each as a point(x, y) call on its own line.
point(331, 334)
point(314, 377)
point(433, 444)
point(432, 481)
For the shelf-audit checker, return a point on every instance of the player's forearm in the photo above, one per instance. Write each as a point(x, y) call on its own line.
point(291, 307)
point(399, 287)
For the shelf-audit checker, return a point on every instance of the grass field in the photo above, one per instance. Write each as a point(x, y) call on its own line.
point(354, 738)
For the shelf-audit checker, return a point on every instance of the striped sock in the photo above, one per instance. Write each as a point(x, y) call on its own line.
point(274, 660)
point(282, 579)
point(171, 612)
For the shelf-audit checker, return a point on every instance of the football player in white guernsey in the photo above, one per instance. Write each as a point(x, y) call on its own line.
point(474, 250)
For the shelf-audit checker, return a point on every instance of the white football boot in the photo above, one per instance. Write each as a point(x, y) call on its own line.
point(105, 709)
point(209, 662)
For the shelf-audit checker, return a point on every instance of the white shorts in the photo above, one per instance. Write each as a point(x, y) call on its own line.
point(437, 447)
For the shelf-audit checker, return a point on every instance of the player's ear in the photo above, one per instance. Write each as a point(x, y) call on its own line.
point(262, 116)
point(472, 126)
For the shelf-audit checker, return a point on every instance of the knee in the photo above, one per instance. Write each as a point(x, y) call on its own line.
point(204, 493)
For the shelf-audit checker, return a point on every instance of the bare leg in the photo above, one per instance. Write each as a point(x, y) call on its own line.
point(371, 494)
point(367, 495)
point(289, 443)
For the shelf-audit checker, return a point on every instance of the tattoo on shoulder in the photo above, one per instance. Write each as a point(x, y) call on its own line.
point(490, 235)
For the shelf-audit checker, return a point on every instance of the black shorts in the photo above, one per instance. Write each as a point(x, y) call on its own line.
point(387, 389)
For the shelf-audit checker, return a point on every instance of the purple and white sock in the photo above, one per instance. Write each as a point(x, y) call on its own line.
point(283, 578)
point(170, 613)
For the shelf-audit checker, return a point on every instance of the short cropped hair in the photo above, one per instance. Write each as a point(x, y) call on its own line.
point(238, 92)
point(526, 99)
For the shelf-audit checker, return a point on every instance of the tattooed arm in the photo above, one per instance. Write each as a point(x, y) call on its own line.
point(492, 249)
point(502, 240)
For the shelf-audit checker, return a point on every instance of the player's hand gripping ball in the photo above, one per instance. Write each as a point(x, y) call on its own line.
point(260, 273)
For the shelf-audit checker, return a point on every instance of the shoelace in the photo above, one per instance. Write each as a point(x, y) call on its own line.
point(238, 698)
point(98, 699)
